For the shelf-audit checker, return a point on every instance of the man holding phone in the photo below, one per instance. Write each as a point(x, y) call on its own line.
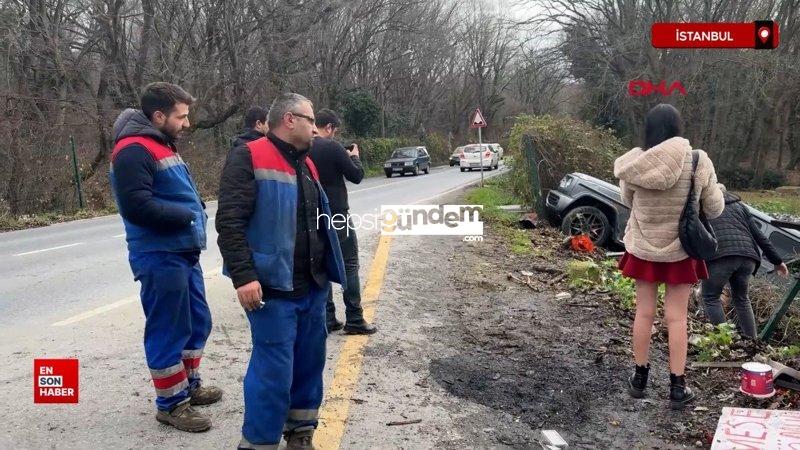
point(335, 164)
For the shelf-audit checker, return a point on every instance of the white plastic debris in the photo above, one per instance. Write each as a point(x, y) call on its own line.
point(552, 439)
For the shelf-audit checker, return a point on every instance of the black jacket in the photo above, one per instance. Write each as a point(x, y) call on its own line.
point(237, 197)
point(738, 234)
point(334, 164)
point(247, 135)
point(134, 168)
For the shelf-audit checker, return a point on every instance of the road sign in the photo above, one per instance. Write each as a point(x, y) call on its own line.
point(477, 120)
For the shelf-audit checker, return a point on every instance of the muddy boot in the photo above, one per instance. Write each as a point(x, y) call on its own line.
point(184, 418)
point(638, 381)
point(300, 440)
point(679, 393)
point(205, 395)
point(360, 328)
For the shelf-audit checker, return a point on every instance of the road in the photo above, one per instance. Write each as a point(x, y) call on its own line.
point(66, 291)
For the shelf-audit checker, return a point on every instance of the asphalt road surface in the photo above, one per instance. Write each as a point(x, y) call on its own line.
point(66, 290)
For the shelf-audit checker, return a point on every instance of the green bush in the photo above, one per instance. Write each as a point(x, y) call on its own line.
point(361, 112)
point(566, 145)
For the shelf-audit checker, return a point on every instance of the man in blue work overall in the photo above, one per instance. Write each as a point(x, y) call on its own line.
point(281, 263)
point(165, 227)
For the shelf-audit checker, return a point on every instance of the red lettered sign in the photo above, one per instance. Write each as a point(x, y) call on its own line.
point(55, 381)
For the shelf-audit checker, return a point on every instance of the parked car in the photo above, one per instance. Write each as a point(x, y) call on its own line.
point(498, 149)
point(583, 204)
point(455, 157)
point(408, 160)
point(471, 158)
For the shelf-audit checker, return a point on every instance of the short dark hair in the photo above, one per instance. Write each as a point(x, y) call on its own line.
point(327, 117)
point(162, 96)
point(662, 122)
point(282, 104)
point(255, 114)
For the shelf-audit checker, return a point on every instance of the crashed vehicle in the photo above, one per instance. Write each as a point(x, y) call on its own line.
point(583, 204)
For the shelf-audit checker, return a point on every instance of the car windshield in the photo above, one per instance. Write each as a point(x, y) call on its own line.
point(409, 152)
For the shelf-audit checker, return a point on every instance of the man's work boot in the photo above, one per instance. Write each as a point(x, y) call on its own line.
point(360, 328)
point(638, 381)
point(300, 440)
point(679, 393)
point(334, 325)
point(184, 418)
point(205, 395)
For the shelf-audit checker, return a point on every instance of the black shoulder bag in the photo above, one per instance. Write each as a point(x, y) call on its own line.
point(695, 232)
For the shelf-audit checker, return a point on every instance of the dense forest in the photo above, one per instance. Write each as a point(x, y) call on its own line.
point(393, 68)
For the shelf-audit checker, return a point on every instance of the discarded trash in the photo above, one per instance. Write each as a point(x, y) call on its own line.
point(529, 221)
point(552, 439)
point(757, 380)
point(563, 296)
point(582, 243)
point(403, 422)
point(756, 428)
point(526, 273)
point(512, 208)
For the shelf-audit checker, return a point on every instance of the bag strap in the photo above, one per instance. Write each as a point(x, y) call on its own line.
point(695, 158)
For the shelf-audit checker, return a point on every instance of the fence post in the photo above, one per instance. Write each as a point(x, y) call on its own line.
point(533, 160)
point(75, 172)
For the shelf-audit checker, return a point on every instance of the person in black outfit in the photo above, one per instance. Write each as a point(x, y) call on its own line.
point(738, 257)
point(255, 126)
point(335, 164)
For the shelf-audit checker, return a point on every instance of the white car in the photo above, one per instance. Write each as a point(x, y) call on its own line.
point(473, 153)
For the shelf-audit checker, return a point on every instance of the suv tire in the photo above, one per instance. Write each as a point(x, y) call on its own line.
point(589, 220)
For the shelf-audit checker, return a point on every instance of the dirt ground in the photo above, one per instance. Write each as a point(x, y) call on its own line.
point(505, 360)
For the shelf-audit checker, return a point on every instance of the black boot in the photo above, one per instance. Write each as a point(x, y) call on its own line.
point(679, 393)
point(638, 381)
point(334, 325)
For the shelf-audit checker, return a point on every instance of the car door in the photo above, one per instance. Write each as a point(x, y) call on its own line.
point(421, 162)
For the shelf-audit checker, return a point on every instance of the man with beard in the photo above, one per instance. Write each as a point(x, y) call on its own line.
point(281, 263)
point(335, 164)
point(165, 227)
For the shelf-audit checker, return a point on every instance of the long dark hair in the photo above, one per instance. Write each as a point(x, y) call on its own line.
point(661, 123)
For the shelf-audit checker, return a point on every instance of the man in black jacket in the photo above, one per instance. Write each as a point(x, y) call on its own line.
point(737, 258)
point(281, 261)
point(335, 164)
point(255, 126)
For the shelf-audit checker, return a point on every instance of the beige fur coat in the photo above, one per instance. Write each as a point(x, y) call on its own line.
point(655, 184)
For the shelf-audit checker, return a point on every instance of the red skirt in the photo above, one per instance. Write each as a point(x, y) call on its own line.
point(687, 271)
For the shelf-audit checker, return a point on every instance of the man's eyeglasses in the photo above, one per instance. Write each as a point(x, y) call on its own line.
point(310, 119)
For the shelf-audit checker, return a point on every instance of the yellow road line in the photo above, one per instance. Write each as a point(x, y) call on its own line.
point(333, 417)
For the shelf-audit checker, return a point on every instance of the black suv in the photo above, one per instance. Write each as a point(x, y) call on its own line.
point(408, 160)
point(583, 204)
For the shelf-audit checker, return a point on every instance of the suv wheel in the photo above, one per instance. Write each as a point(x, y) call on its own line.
point(427, 169)
point(415, 172)
point(388, 173)
point(587, 220)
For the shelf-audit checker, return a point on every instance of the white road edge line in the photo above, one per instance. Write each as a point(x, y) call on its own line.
point(97, 311)
point(462, 186)
point(117, 304)
point(387, 184)
point(48, 249)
